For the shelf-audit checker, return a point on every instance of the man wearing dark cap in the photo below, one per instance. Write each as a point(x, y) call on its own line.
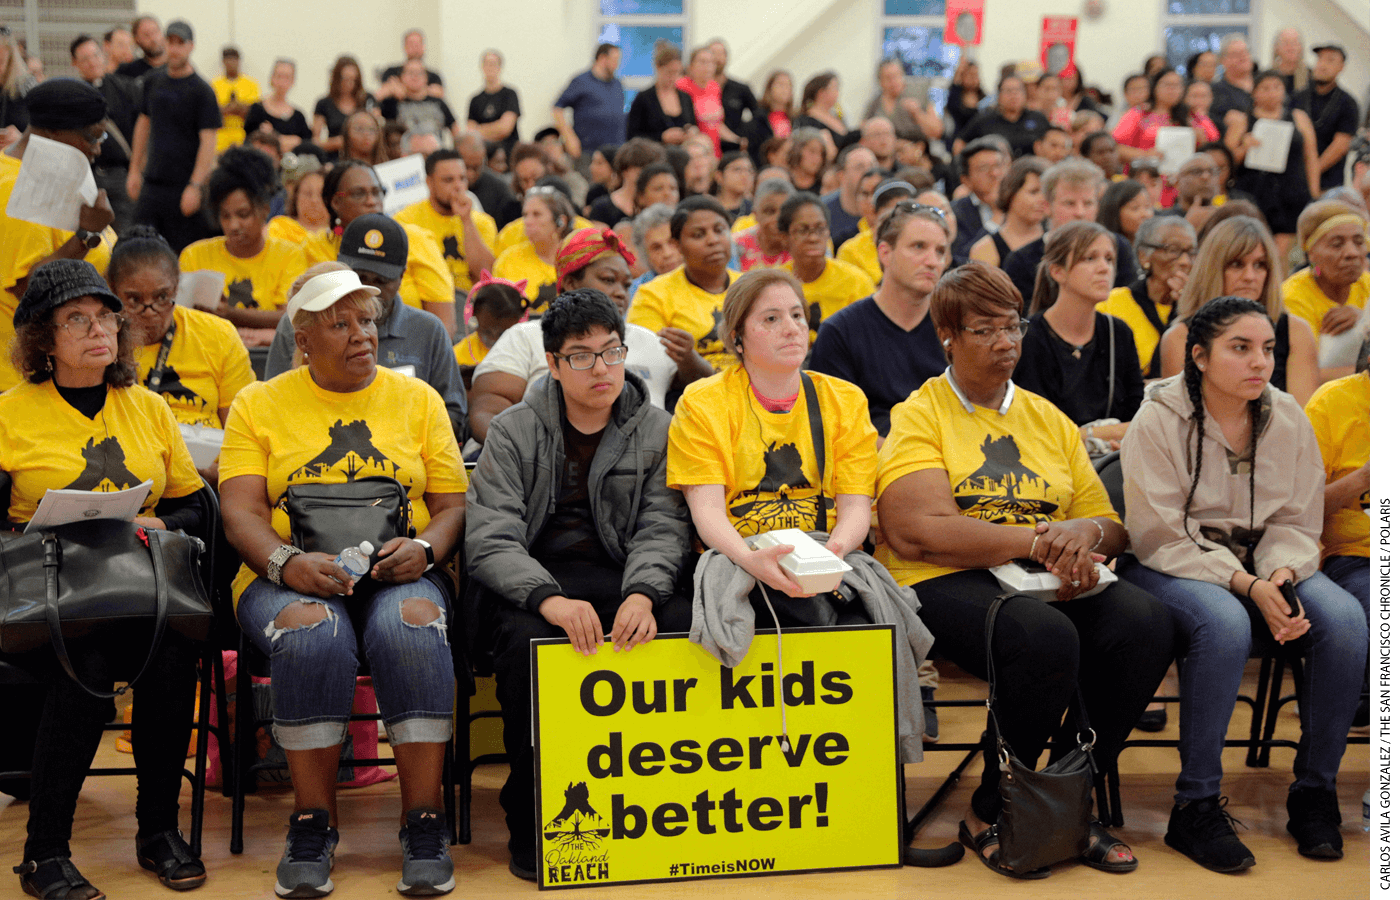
point(376, 248)
point(123, 101)
point(173, 150)
point(70, 112)
point(1334, 113)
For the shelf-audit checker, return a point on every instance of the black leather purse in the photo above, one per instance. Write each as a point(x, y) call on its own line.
point(75, 580)
point(327, 518)
point(1045, 815)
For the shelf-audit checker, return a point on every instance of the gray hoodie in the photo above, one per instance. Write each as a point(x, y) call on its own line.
point(641, 522)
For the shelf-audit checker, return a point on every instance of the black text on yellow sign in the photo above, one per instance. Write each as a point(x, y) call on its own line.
point(662, 764)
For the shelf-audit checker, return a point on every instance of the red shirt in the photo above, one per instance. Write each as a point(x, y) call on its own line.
point(709, 108)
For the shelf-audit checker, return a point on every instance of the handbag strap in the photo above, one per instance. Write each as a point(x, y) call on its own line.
point(52, 562)
point(814, 421)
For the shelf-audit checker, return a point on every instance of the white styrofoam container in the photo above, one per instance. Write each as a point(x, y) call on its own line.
point(815, 568)
point(203, 443)
point(1040, 583)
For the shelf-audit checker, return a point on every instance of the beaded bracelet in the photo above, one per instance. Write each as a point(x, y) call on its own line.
point(1100, 540)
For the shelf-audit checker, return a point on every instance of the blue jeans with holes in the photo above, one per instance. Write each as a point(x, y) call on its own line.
point(1216, 630)
point(313, 667)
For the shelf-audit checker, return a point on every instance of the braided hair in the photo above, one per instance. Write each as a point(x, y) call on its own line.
point(1207, 324)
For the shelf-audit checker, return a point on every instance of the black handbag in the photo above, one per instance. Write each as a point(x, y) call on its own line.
point(1045, 815)
point(75, 580)
point(327, 518)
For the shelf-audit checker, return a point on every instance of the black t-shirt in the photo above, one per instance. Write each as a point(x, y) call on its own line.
point(136, 68)
point(1021, 265)
point(335, 119)
point(486, 107)
point(738, 99)
point(605, 210)
point(1332, 113)
point(397, 72)
point(179, 109)
point(123, 104)
point(430, 112)
point(1079, 386)
point(1022, 134)
point(570, 533)
point(860, 344)
point(1228, 97)
point(647, 119)
point(294, 125)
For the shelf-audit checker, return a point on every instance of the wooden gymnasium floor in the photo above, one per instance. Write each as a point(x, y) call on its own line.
point(368, 859)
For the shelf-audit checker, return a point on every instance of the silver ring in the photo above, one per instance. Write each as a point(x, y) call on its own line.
point(1074, 584)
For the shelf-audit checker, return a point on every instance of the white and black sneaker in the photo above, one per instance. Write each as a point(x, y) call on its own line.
point(427, 864)
point(305, 869)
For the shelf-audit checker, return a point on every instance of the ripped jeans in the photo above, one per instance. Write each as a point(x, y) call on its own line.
point(314, 666)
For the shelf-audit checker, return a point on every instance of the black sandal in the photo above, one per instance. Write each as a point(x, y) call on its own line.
point(171, 859)
point(986, 839)
point(55, 878)
point(1101, 843)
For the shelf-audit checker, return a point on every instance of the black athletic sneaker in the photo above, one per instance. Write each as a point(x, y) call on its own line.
point(305, 869)
point(1204, 831)
point(427, 863)
point(1313, 819)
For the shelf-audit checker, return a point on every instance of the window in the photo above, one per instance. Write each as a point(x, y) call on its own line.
point(911, 31)
point(636, 26)
point(1194, 26)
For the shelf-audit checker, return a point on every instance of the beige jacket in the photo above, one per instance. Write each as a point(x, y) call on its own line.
point(1159, 453)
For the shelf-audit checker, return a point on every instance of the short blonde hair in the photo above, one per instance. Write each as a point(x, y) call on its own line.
point(742, 295)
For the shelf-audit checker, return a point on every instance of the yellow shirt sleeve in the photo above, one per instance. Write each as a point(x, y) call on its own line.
point(427, 270)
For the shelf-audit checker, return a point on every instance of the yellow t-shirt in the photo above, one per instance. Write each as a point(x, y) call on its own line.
point(285, 228)
point(721, 434)
point(520, 262)
point(746, 221)
point(290, 431)
point(470, 351)
point(860, 251)
point(1340, 413)
point(259, 282)
point(1304, 298)
point(207, 366)
point(47, 444)
point(426, 278)
point(247, 92)
point(1022, 468)
point(22, 244)
point(514, 232)
point(447, 232)
point(673, 301)
point(1122, 305)
point(838, 286)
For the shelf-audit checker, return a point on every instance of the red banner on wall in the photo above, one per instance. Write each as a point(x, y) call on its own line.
point(1057, 43)
point(964, 22)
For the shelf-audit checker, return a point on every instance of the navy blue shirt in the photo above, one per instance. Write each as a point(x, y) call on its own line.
point(844, 226)
point(860, 344)
point(597, 106)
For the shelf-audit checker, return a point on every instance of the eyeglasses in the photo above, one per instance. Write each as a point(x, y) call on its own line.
point(360, 195)
point(162, 304)
point(992, 333)
point(613, 356)
point(110, 322)
point(1173, 253)
point(912, 206)
point(816, 231)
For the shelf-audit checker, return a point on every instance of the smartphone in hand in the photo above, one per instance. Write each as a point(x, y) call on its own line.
point(1291, 595)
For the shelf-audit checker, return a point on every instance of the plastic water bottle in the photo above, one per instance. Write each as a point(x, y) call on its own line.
point(1366, 810)
point(355, 560)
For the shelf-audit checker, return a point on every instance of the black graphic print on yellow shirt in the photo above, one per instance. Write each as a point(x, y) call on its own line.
point(351, 453)
point(240, 294)
point(783, 498)
point(105, 468)
point(450, 248)
point(170, 386)
point(1003, 489)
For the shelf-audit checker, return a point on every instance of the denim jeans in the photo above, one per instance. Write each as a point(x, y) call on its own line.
point(313, 667)
point(1353, 575)
point(1216, 630)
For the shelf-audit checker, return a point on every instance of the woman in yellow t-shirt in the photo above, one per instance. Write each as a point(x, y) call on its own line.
point(80, 421)
point(742, 446)
point(830, 285)
point(1332, 293)
point(1340, 413)
point(683, 306)
point(1165, 248)
point(548, 217)
point(306, 211)
point(976, 473)
point(338, 418)
point(258, 271)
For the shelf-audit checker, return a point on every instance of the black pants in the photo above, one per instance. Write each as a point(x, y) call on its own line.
point(515, 628)
point(70, 730)
point(1115, 646)
point(158, 206)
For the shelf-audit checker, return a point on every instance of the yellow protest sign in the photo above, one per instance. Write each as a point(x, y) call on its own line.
point(661, 764)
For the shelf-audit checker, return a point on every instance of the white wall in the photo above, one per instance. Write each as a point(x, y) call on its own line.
point(546, 42)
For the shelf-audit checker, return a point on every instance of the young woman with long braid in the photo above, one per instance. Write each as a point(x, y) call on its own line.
point(1223, 483)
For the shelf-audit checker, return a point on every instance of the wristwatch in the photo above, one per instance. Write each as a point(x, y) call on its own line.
point(277, 560)
point(90, 239)
point(427, 548)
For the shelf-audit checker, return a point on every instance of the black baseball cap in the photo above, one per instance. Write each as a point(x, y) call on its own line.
point(55, 283)
point(375, 243)
point(180, 29)
point(1338, 47)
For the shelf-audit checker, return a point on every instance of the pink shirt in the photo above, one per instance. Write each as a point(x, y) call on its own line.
point(1138, 129)
point(709, 108)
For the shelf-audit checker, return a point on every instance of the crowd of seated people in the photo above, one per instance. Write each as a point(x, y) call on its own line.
point(946, 314)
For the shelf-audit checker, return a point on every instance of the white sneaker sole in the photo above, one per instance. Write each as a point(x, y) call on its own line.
point(426, 890)
point(304, 890)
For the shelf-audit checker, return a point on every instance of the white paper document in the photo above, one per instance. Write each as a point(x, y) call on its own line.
point(200, 288)
point(1175, 143)
point(54, 182)
point(1272, 153)
point(62, 507)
